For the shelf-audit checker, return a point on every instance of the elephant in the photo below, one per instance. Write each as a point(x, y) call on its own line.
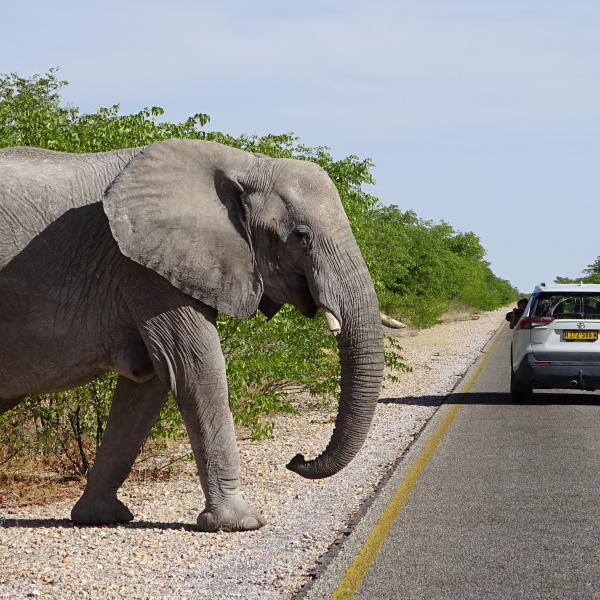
point(120, 262)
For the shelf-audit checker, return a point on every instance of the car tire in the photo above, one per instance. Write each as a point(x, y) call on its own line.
point(520, 392)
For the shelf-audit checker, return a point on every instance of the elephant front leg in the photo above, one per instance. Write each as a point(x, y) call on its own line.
point(205, 408)
point(133, 411)
point(186, 351)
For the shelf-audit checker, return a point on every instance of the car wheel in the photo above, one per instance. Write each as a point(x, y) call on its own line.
point(520, 392)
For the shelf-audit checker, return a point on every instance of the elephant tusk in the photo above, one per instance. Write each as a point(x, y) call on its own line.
point(389, 322)
point(332, 322)
point(334, 325)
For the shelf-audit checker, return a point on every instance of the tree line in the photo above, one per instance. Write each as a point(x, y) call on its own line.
point(591, 274)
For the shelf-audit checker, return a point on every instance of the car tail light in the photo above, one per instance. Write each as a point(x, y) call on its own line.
point(531, 322)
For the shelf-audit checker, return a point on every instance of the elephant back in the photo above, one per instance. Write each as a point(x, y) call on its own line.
point(37, 187)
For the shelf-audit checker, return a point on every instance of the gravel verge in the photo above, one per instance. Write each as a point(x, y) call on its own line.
point(159, 555)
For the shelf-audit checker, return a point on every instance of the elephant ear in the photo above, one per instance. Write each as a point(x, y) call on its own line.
point(177, 209)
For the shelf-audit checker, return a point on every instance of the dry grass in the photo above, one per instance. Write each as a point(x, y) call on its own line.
point(460, 313)
point(29, 480)
point(26, 482)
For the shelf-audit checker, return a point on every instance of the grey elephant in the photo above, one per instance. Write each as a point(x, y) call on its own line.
point(119, 261)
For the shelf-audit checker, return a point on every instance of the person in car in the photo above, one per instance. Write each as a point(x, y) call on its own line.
point(516, 313)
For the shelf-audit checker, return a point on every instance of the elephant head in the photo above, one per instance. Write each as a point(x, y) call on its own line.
point(240, 232)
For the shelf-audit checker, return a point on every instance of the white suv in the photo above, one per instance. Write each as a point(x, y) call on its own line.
point(555, 342)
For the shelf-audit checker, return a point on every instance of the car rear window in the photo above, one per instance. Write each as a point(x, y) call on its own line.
point(567, 305)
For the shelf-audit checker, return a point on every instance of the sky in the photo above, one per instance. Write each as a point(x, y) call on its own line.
point(485, 115)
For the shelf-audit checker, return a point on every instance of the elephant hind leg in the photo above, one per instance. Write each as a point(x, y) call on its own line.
point(133, 411)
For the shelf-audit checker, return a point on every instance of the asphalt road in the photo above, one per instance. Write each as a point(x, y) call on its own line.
point(507, 504)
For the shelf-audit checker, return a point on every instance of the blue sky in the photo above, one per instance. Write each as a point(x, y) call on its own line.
point(482, 114)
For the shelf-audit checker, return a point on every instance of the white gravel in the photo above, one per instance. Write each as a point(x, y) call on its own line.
point(159, 555)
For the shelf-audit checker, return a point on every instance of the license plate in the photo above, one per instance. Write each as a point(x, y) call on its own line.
point(572, 335)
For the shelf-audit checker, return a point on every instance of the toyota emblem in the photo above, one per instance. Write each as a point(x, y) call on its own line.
point(580, 325)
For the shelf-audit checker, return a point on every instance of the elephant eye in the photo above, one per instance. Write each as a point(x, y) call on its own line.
point(305, 238)
point(306, 243)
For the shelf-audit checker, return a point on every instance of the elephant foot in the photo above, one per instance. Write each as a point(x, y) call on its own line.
point(100, 510)
point(235, 515)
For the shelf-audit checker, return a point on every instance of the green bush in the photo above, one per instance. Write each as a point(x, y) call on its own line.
point(420, 270)
point(66, 426)
point(423, 269)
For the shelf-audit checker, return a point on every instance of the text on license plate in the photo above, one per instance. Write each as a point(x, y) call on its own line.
point(571, 335)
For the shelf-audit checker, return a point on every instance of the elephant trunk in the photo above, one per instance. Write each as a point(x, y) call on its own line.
point(360, 344)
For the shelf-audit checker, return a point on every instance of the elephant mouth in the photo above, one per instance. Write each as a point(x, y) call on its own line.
point(304, 301)
point(307, 306)
point(296, 292)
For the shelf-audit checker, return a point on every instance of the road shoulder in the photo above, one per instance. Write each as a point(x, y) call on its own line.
point(342, 570)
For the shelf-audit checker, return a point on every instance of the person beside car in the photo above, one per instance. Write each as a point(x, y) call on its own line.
point(516, 313)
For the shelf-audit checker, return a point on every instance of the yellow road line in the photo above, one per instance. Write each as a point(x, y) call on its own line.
point(358, 569)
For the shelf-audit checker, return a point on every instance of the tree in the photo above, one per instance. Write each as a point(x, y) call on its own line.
point(593, 269)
